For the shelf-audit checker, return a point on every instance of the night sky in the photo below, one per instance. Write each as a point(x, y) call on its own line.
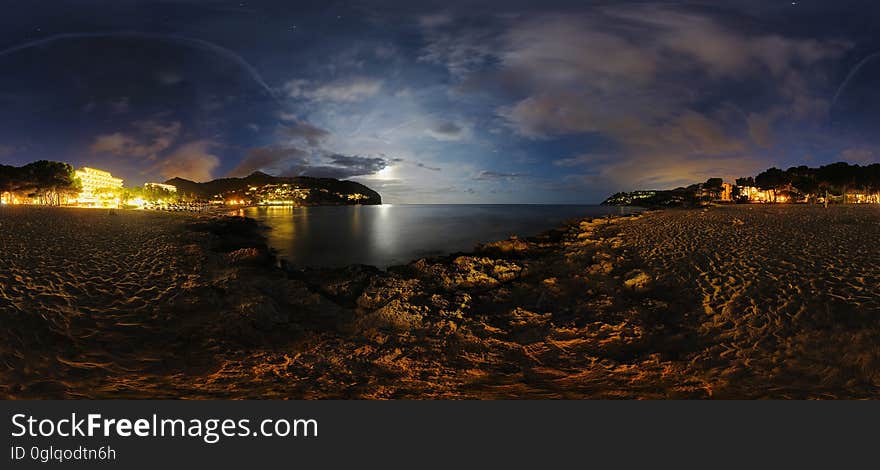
point(495, 102)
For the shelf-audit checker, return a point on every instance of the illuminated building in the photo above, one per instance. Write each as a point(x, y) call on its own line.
point(726, 192)
point(785, 194)
point(8, 198)
point(166, 187)
point(862, 198)
point(753, 194)
point(277, 194)
point(98, 187)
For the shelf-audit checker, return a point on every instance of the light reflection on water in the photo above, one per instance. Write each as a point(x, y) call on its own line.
point(387, 235)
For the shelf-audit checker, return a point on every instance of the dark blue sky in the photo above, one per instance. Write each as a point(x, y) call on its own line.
point(441, 102)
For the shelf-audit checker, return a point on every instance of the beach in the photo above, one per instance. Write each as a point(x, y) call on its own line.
point(746, 301)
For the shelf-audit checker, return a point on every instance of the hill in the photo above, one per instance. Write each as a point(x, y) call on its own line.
point(322, 191)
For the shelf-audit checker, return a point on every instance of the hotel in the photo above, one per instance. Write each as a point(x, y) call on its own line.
point(97, 188)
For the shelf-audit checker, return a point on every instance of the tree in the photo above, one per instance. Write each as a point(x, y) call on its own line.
point(772, 178)
point(47, 181)
point(713, 183)
point(7, 178)
point(749, 181)
point(154, 194)
point(58, 181)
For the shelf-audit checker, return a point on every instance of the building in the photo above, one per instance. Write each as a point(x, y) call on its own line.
point(275, 195)
point(785, 194)
point(8, 198)
point(726, 192)
point(753, 194)
point(97, 188)
point(862, 198)
point(166, 187)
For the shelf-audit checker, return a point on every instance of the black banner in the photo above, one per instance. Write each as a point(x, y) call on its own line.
point(409, 434)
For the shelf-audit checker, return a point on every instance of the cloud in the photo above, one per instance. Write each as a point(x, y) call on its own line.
point(579, 160)
point(761, 128)
point(146, 140)
point(435, 20)
point(487, 175)
point(460, 51)
point(432, 168)
point(120, 106)
point(447, 131)
point(343, 90)
point(860, 156)
point(303, 130)
point(6, 150)
point(264, 158)
point(342, 166)
point(192, 161)
point(626, 75)
point(723, 51)
point(169, 78)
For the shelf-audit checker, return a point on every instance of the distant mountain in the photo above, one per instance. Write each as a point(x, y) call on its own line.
point(323, 191)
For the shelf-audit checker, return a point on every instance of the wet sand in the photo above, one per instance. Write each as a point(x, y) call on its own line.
point(731, 302)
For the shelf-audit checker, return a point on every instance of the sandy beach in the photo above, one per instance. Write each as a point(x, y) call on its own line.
point(754, 301)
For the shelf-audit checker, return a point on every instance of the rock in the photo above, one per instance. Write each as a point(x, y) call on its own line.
point(263, 313)
point(396, 316)
point(345, 284)
point(638, 281)
point(247, 256)
point(384, 289)
point(469, 271)
point(511, 246)
point(527, 326)
point(520, 318)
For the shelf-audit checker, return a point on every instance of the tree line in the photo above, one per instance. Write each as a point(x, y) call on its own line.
point(837, 178)
point(45, 181)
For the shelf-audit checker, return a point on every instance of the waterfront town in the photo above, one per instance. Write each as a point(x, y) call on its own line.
point(58, 184)
point(838, 183)
point(729, 193)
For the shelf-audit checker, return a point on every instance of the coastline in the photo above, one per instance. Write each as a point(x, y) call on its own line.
point(603, 308)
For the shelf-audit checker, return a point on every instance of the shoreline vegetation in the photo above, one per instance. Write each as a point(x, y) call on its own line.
point(834, 183)
point(753, 301)
point(48, 183)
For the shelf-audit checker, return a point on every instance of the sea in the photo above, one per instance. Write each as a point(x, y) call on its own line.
point(394, 234)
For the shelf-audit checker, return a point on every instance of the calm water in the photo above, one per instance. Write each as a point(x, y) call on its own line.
point(397, 234)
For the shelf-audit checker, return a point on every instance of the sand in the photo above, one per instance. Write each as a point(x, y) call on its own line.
point(784, 300)
point(80, 291)
point(730, 302)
